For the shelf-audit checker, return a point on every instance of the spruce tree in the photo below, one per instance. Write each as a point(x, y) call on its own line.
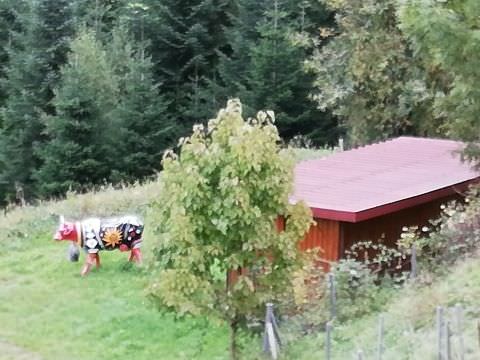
point(79, 153)
point(186, 36)
point(234, 62)
point(145, 129)
point(38, 50)
point(266, 69)
point(9, 22)
point(99, 15)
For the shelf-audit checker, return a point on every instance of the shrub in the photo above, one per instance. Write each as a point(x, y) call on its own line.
point(364, 279)
point(304, 310)
point(453, 236)
point(356, 287)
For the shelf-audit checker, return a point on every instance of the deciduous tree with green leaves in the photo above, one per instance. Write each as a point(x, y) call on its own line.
point(220, 199)
point(369, 76)
point(445, 36)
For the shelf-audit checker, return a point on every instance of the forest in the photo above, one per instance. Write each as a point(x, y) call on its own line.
point(92, 92)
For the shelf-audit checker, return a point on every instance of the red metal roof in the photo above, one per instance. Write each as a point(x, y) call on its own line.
point(381, 178)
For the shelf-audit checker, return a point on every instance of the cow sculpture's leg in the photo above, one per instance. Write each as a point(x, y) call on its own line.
point(97, 260)
point(135, 256)
point(92, 259)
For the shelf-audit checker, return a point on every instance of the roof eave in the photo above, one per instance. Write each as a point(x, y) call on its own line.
point(353, 217)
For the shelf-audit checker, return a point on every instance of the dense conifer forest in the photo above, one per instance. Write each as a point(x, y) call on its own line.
point(94, 91)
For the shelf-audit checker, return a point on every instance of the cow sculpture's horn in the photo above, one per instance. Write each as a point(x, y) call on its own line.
point(62, 219)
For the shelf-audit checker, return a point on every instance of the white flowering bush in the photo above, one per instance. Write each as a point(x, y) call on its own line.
point(378, 257)
point(453, 236)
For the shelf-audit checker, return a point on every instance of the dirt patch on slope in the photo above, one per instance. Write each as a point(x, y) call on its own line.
point(9, 351)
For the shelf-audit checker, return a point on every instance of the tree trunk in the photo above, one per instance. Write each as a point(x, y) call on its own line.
point(233, 338)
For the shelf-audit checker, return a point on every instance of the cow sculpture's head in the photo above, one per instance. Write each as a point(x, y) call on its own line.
point(69, 231)
point(66, 231)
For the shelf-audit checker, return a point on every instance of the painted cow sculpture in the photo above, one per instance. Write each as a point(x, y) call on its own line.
point(95, 235)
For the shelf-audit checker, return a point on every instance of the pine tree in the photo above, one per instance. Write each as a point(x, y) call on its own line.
point(37, 51)
point(79, 153)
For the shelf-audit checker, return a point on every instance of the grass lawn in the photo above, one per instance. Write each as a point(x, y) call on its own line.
point(47, 310)
point(302, 154)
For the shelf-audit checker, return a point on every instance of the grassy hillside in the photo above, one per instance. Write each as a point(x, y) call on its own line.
point(409, 322)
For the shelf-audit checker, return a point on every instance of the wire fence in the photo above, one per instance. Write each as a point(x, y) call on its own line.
point(449, 329)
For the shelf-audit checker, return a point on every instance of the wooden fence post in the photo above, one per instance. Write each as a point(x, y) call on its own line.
point(447, 334)
point(413, 262)
point(271, 336)
point(439, 333)
point(328, 340)
point(461, 343)
point(478, 331)
point(333, 296)
point(381, 330)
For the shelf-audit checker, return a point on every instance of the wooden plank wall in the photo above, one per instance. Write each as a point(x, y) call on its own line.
point(390, 225)
point(325, 234)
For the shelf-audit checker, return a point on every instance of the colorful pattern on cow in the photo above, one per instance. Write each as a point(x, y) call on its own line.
point(110, 234)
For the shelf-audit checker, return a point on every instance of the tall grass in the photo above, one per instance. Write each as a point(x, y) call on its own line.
point(410, 331)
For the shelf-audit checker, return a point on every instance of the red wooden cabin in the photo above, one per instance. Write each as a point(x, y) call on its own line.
point(373, 191)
